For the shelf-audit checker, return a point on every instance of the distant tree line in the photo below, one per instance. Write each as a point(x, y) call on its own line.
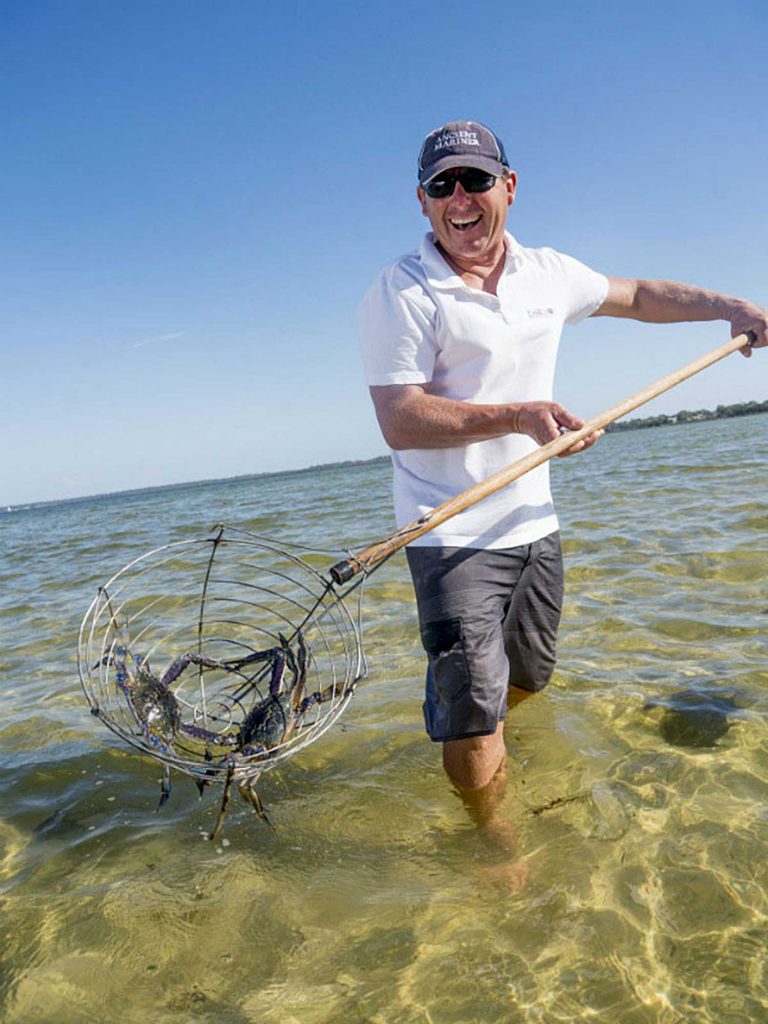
point(722, 412)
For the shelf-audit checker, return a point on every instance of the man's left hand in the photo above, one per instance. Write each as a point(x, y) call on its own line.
point(749, 317)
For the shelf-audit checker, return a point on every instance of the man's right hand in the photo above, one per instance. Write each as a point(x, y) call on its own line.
point(546, 421)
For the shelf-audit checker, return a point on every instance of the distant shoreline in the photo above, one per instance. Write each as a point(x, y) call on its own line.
point(722, 412)
point(685, 416)
point(324, 466)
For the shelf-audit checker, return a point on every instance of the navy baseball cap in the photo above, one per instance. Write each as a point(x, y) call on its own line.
point(461, 144)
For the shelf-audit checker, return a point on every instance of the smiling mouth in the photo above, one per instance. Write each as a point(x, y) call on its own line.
point(464, 223)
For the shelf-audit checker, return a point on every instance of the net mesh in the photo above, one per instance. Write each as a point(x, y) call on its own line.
point(221, 656)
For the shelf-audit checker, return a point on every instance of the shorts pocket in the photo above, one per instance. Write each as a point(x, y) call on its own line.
point(444, 643)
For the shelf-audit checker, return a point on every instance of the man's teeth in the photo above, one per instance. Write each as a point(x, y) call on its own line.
point(462, 223)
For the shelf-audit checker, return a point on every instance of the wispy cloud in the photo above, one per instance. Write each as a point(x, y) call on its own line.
point(155, 338)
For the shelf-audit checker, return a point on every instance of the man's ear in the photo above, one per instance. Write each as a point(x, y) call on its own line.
point(422, 199)
point(511, 184)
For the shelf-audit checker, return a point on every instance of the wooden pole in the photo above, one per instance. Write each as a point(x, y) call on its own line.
point(365, 560)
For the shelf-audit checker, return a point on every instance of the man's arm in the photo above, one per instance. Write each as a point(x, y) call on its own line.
point(668, 302)
point(410, 417)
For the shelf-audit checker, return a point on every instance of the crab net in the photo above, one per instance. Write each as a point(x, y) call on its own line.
point(207, 620)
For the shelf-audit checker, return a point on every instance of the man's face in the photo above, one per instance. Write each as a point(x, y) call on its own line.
point(470, 225)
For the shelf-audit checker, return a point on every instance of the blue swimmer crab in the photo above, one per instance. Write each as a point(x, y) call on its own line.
point(270, 722)
point(152, 701)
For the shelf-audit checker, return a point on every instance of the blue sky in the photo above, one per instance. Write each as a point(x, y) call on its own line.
point(194, 196)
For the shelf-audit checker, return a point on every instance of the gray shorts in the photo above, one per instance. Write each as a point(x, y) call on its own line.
point(488, 620)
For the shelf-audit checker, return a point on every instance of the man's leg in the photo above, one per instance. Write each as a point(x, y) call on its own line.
point(477, 767)
point(467, 608)
point(472, 764)
point(516, 696)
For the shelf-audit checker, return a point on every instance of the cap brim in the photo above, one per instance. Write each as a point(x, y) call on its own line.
point(482, 163)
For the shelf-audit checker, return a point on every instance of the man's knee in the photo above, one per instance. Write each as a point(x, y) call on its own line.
point(472, 763)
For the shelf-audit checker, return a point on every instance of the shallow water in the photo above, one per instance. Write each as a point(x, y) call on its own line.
point(375, 899)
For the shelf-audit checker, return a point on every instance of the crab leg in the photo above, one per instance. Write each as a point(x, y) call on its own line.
point(297, 697)
point(165, 786)
point(224, 800)
point(176, 667)
point(318, 697)
point(247, 792)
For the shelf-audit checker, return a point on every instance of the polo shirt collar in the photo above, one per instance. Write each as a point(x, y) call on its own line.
point(440, 275)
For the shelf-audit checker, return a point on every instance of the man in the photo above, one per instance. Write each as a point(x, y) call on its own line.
point(459, 341)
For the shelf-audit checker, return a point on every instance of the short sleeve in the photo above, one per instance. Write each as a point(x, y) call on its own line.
point(585, 289)
point(396, 330)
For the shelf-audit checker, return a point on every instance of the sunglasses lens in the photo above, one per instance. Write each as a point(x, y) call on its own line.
point(471, 181)
point(477, 181)
point(440, 188)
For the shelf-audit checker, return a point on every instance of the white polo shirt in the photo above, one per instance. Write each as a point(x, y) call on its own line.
point(421, 324)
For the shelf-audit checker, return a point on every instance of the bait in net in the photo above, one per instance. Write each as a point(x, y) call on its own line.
point(220, 657)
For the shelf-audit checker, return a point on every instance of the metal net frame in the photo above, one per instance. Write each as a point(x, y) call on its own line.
point(212, 616)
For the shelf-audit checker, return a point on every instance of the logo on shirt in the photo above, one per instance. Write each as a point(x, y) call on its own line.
point(537, 314)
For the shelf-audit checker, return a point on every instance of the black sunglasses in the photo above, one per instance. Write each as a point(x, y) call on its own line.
point(472, 180)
